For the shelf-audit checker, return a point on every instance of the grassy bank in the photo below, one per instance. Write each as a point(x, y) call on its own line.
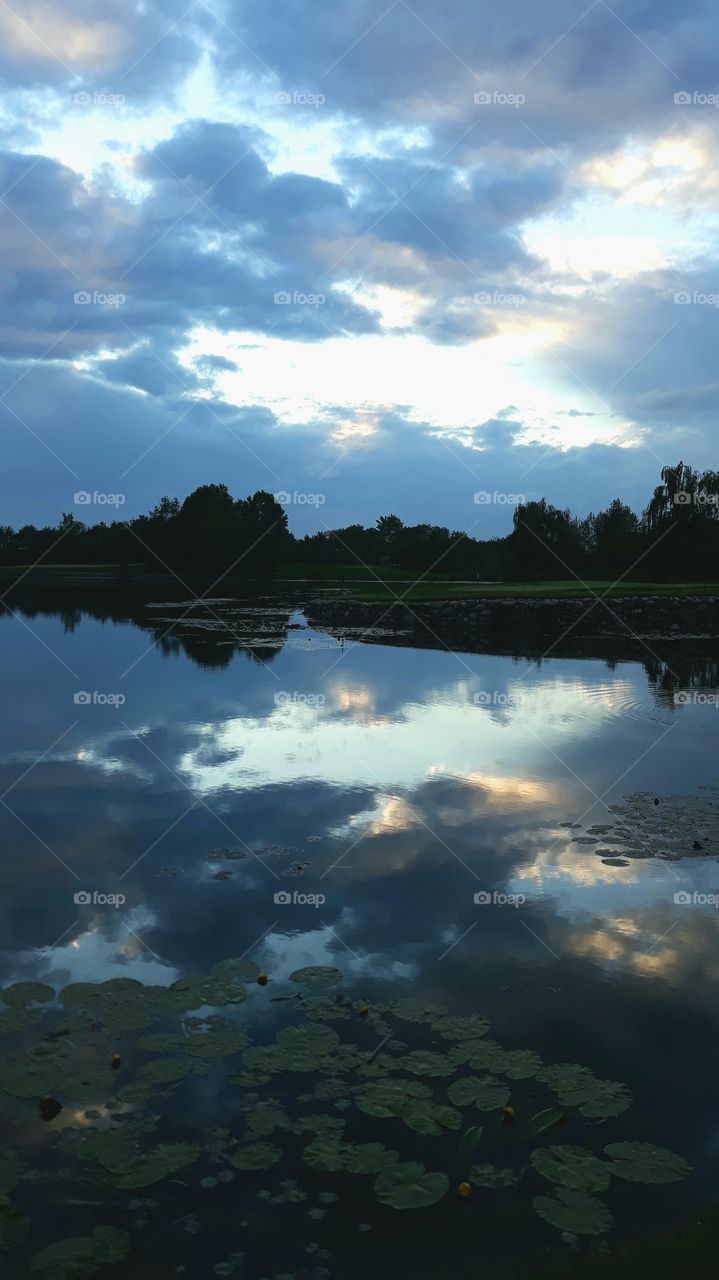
point(426, 590)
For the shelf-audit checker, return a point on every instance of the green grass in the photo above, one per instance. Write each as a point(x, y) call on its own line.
point(433, 590)
point(689, 1254)
point(340, 573)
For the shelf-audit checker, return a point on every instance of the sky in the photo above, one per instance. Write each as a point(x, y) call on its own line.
point(373, 257)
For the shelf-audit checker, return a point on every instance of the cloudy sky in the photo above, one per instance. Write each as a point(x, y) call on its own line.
point(389, 254)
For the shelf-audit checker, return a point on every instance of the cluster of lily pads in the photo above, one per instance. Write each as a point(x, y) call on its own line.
point(95, 1051)
point(649, 826)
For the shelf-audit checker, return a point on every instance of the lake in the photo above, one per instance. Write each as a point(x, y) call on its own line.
point(429, 842)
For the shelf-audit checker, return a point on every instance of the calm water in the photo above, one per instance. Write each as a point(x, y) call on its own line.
point(393, 784)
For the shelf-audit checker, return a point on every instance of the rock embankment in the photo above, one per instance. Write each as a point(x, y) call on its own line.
point(490, 620)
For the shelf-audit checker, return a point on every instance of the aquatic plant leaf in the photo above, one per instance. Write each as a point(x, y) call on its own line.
point(305, 1048)
point(643, 1162)
point(423, 1062)
point(153, 1166)
point(316, 976)
point(21, 994)
point(490, 1177)
point(548, 1118)
point(430, 1118)
point(368, 1157)
point(10, 1170)
point(487, 1093)
point(217, 1044)
point(409, 1186)
point(571, 1166)
point(164, 1070)
point(257, 1155)
point(414, 1009)
point(521, 1064)
point(324, 1152)
point(480, 1055)
point(14, 1227)
point(81, 1256)
point(574, 1211)
point(468, 1026)
point(390, 1097)
point(162, 1042)
point(265, 1117)
point(577, 1086)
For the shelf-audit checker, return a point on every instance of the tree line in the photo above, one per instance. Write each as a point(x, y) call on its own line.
point(676, 538)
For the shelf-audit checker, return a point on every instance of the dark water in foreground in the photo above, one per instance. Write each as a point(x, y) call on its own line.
point(381, 789)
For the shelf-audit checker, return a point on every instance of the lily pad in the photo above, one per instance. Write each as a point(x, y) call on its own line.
point(430, 1118)
point(577, 1086)
point(390, 1097)
point(422, 1062)
point(82, 1255)
point(368, 1157)
point(414, 1009)
point(316, 976)
point(257, 1155)
point(643, 1162)
point(572, 1167)
point(409, 1186)
point(490, 1177)
point(468, 1026)
point(487, 1093)
point(574, 1211)
point(21, 994)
